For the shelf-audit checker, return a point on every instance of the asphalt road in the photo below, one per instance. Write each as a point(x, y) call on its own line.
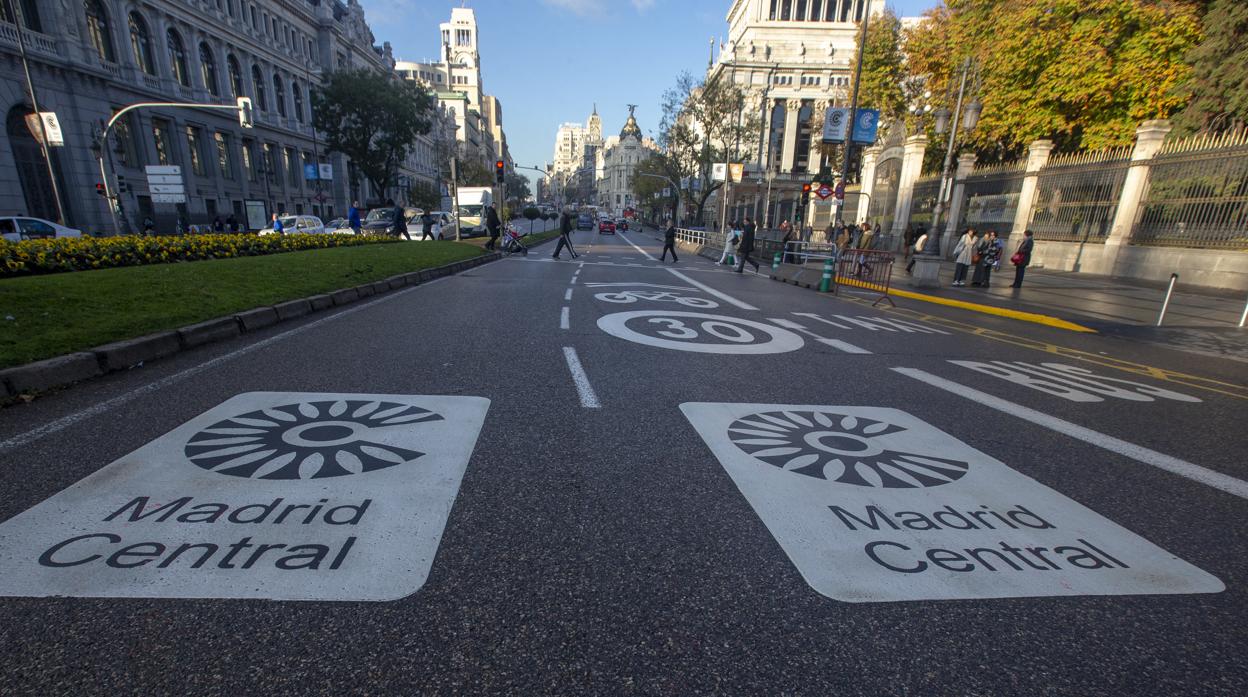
point(603, 540)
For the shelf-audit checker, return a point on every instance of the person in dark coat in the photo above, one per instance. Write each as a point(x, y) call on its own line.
point(746, 245)
point(426, 226)
point(669, 243)
point(1024, 254)
point(400, 222)
point(565, 229)
point(492, 224)
point(231, 224)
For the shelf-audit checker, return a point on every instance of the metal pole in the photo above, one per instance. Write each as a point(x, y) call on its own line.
point(15, 11)
point(455, 197)
point(1244, 317)
point(933, 238)
point(853, 101)
point(1166, 303)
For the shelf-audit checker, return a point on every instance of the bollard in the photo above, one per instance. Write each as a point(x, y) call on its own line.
point(1166, 303)
point(775, 261)
point(825, 284)
point(732, 261)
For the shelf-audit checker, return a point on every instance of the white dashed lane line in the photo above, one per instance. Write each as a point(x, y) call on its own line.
point(568, 295)
point(584, 390)
point(563, 318)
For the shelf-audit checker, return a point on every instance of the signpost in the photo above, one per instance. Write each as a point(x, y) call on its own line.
point(166, 184)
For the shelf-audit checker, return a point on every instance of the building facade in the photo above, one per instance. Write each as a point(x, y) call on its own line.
point(616, 164)
point(89, 59)
point(794, 59)
point(573, 171)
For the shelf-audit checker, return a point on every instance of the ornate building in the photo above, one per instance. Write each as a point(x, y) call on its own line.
point(573, 172)
point(616, 163)
point(89, 59)
point(795, 58)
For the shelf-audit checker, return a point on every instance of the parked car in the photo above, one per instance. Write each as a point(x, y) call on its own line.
point(621, 224)
point(381, 220)
point(584, 222)
point(606, 226)
point(298, 224)
point(16, 228)
point(443, 225)
point(338, 225)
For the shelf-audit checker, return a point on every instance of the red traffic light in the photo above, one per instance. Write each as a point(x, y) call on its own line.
point(805, 188)
point(99, 189)
point(498, 165)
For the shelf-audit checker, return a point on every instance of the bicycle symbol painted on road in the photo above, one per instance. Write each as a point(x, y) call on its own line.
point(632, 296)
point(698, 332)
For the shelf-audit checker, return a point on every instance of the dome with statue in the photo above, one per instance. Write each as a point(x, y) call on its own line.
point(630, 126)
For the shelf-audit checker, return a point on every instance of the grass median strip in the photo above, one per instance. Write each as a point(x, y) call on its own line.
point(46, 316)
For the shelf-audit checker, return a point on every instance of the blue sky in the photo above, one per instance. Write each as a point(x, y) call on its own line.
point(549, 61)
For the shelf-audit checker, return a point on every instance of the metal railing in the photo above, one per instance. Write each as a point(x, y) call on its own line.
point(990, 199)
point(1076, 198)
point(1197, 199)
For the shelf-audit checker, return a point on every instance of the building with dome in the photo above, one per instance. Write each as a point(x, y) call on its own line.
point(572, 172)
point(616, 163)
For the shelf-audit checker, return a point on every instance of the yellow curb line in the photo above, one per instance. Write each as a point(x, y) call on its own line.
point(975, 307)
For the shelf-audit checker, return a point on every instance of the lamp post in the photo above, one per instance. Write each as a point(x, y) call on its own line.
point(969, 118)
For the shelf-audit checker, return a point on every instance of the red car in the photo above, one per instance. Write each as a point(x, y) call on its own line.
point(605, 226)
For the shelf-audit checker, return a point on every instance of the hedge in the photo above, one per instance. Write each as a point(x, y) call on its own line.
point(30, 257)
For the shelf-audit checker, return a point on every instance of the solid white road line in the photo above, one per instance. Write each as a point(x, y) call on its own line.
point(111, 404)
point(1183, 468)
point(812, 315)
point(834, 343)
point(707, 289)
point(563, 317)
point(589, 400)
point(568, 295)
point(643, 252)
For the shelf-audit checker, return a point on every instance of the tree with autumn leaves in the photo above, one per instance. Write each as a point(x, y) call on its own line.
point(1082, 73)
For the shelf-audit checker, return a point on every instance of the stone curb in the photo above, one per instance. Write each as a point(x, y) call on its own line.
point(62, 371)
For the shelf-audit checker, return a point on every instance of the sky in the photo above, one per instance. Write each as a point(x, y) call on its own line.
point(550, 61)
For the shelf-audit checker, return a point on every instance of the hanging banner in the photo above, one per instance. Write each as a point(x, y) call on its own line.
point(835, 124)
point(51, 126)
point(866, 123)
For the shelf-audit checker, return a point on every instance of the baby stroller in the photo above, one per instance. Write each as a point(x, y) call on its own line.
point(512, 244)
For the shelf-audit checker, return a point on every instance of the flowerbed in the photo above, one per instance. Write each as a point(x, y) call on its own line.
point(84, 253)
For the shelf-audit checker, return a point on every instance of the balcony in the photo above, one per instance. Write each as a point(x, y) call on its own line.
point(35, 42)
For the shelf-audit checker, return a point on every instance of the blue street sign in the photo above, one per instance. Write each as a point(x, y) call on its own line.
point(310, 173)
point(866, 122)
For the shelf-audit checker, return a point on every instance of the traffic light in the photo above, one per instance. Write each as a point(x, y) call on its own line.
point(855, 164)
point(244, 112)
point(123, 187)
point(805, 193)
point(99, 189)
point(498, 171)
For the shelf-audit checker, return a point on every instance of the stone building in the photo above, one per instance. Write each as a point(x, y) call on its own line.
point(573, 172)
point(615, 164)
point(91, 58)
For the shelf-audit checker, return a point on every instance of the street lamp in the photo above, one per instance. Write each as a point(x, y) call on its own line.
point(969, 117)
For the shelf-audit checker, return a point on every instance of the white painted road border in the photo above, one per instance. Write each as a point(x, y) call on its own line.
point(1183, 468)
point(643, 252)
point(584, 390)
point(834, 343)
point(711, 291)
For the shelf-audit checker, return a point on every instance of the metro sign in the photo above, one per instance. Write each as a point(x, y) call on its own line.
point(823, 192)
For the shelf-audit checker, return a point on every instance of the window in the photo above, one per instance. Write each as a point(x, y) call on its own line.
point(255, 23)
point(298, 95)
point(236, 76)
point(208, 69)
point(771, 14)
point(845, 8)
point(816, 9)
point(463, 37)
point(141, 44)
point(30, 14)
point(257, 81)
point(225, 163)
point(124, 147)
point(270, 163)
point(177, 59)
point(829, 12)
point(97, 30)
point(164, 141)
point(292, 167)
point(279, 95)
point(249, 161)
point(786, 10)
point(194, 145)
point(233, 7)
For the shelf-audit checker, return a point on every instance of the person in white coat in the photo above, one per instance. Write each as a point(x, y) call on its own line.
point(730, 242)
point(962, 257)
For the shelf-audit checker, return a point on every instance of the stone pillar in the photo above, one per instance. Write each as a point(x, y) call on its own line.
point(870, 156)
point(911, 167)
point(1148, 139)
point(818, 109)
point(1037, 158)
point(792, 107)
point(966, 165)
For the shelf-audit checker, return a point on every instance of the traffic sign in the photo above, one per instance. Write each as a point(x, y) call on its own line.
point(169, 198)
point(163, 169)
point(840, 191)
point(164, 179)
point(824, 191)
point(167, 188)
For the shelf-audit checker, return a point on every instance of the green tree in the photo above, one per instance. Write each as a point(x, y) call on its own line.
point(882, 68)
point(517, 187)
point(1083, 73)
point(372, 119)
point(425, 195)
point(1218, 83)
point(473, 172)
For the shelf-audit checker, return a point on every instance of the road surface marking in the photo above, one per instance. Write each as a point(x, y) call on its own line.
point(643, 252)
point(638, 285)
point(698, 332)
point(584, 390)
point(707, 289)
point(563, 317)
point(1072, 382)
point(1195, 381)
point(875, 505)
point(1174, 465)
point(568, 294)
point(271, 495)
point(813, 316)
point(109, 405)
point(834, 343)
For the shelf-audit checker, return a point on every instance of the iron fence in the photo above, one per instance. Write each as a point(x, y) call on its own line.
point(990, 198)
point(1077, 196)
point(1197, 195)
point(883, 202)
point(923, 203)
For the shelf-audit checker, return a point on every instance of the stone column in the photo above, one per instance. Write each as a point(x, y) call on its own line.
point(818, 109)
point(1037, 158)
point(1148, 139)
point(911, 167)
point(966, 165)
point(870, 156)
point(792, 107)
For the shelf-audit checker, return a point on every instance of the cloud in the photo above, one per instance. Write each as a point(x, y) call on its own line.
point(643, 5)
point(580, 7)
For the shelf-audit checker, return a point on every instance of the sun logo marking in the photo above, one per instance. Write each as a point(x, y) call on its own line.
point(840, 448)
point(308, 440)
